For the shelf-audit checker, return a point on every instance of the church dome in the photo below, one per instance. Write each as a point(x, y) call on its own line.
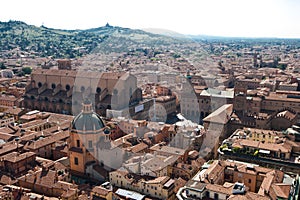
point(87, 120)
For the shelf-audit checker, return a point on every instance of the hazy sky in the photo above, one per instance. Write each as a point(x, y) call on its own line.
point(253, 18)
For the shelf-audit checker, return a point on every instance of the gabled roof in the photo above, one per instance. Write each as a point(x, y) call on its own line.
point(281, 190)
point(221, 115)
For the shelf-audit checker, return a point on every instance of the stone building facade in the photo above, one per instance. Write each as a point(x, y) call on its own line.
point(63, 90)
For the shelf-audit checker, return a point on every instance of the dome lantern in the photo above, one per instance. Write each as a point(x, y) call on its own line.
point(87, 121)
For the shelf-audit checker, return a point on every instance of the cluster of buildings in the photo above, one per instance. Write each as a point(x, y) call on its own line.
point(234, 180)
point(55, 155)
point(166, 130)
point(264, 147)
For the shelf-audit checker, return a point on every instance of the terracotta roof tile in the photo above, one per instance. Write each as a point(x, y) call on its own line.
point(101, 191)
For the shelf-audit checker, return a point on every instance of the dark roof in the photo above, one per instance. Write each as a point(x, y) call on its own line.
point(87, 122)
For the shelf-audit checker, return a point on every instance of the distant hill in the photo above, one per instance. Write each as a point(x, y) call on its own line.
point(43, 41)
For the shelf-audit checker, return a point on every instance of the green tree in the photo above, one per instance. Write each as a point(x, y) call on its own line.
point(236, 149)
point(27, 70)
point(2, 66)
point(281, 66)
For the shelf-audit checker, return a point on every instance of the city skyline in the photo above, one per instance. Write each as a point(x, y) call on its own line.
point(216, 18)
point(118, 113)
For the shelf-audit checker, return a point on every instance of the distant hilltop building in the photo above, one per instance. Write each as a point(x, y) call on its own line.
point(62, 90)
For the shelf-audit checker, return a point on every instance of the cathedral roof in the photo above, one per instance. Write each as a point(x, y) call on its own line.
point(87, 120)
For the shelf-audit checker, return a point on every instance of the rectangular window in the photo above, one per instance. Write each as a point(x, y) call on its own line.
point(207, 194)
point(76, 161)
point(78, 143)
point(90, 144)
point(216, 196)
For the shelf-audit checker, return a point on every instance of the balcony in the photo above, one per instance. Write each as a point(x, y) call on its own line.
point(260, 160)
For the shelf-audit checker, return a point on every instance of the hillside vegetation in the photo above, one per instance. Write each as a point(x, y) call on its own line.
point(43, 41)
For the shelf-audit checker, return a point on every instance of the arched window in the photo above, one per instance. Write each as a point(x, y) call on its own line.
point(53, 86)
point(98, 90)
point(39, 84)
point(68, 87)
point(202, 114)
point(82, 89)
point(115, 91)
